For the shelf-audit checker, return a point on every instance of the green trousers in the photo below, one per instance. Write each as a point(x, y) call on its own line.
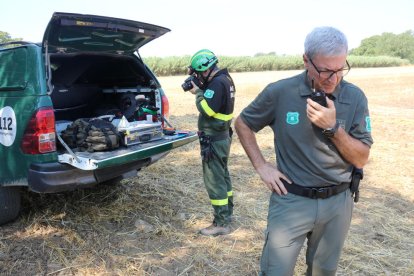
point(218, 183)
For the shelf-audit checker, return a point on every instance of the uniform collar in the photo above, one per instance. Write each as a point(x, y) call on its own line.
point(221, 71)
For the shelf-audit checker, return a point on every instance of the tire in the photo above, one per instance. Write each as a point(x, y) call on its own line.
point(10, 201)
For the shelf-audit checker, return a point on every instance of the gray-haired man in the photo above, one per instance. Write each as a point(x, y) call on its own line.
point(318, 143)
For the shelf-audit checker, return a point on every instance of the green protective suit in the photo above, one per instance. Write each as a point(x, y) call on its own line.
point(215, 104)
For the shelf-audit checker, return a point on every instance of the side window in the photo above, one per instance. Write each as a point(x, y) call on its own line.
point(13, 69)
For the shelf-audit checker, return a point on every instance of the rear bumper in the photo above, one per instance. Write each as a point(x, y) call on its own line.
point(57, 177)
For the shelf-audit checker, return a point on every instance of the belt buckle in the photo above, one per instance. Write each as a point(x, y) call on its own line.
point(318, 193)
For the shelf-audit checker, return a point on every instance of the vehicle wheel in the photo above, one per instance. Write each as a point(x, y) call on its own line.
point(9, 204)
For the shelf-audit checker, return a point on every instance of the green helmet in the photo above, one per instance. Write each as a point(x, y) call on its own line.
point(202, 60)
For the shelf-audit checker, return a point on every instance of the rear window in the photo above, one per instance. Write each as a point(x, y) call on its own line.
point(13, 68)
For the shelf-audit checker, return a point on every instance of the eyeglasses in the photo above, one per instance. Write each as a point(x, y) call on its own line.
point(327, 74)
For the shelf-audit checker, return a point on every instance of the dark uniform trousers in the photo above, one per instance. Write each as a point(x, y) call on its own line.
point(218, 183)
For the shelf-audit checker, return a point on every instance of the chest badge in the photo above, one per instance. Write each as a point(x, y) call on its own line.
point(292, 118)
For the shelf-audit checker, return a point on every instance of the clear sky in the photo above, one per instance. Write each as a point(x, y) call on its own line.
point(227, 27)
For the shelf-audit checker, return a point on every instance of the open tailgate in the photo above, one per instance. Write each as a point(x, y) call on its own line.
point(99, 160)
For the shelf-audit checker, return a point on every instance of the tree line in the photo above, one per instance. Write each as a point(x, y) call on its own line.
point(383, 50)
point(388, 44)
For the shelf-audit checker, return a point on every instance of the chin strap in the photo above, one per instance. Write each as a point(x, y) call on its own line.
point(206, 79)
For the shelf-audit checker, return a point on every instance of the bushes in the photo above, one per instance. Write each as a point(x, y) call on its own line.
point(378, 61)
point(170, 66)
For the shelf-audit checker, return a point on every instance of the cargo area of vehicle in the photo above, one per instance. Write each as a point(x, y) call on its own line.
point(113, 88)
point(86, 86)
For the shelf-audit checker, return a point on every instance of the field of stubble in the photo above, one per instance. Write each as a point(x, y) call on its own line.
point(147, 225)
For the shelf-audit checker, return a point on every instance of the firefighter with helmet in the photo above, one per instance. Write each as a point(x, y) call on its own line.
point(214, 89)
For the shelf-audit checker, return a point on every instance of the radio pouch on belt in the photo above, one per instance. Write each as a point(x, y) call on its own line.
point(205, 146)
point(357, 175)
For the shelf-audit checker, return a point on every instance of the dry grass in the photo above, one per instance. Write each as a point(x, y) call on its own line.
point(96, 231)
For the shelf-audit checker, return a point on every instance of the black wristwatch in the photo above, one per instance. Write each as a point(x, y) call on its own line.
point(330, 132)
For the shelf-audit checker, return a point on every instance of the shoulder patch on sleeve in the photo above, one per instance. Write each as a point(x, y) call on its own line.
point(368, 123)
point(209, 94)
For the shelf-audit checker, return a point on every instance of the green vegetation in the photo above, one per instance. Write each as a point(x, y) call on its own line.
point(178, 65)
point(384, 50)
point(376, 61)
point(388, 44)
point(171, 66)
point(5, 37)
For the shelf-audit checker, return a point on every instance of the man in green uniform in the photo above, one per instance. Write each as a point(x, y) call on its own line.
point(318, 142)
point(215, 91)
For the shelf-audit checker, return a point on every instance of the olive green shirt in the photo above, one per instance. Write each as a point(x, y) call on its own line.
point(303, 153)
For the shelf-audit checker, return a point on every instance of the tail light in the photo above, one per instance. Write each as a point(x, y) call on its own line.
point(165, 108)
point(40, 133)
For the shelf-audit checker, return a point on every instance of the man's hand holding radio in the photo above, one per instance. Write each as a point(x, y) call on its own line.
point(322, 117)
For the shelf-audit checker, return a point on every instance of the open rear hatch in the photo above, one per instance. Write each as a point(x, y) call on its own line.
point(70, 33)
point(94, 73)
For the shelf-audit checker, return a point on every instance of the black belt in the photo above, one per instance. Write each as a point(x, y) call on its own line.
point(316, 192)
point(217, 136)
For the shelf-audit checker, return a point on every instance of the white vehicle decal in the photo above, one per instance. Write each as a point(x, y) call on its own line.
point(7, 126)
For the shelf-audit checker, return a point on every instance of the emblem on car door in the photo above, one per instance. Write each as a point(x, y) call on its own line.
point(7, 126)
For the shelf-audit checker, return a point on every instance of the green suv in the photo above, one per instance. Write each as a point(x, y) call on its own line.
point(87, 66)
